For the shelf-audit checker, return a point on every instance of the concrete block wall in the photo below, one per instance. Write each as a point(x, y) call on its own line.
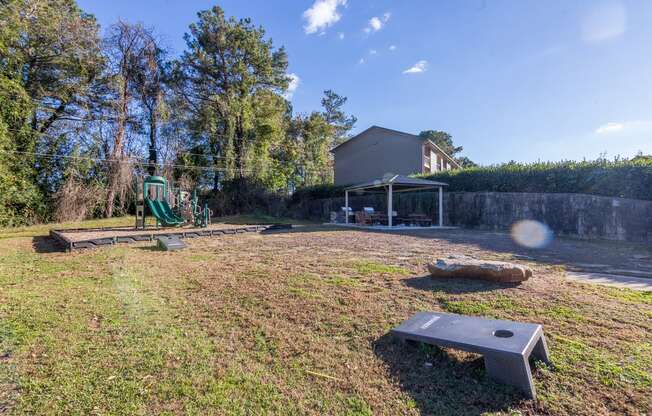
point(578, 215)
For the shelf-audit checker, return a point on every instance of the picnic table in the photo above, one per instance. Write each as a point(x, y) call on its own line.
point(366, 218)
point(420, 219)
point(374, 217)
point(415, 219)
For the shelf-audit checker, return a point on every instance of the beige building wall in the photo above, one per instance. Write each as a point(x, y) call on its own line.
point(375, 153)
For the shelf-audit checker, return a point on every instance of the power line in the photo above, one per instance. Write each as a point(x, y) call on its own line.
point(181, 152)
point(132, 162)
point(53, 156)
point(120, 161)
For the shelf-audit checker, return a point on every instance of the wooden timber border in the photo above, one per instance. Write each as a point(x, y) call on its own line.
point(70, 245)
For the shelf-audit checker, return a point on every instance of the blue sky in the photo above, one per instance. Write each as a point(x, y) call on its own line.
point(510, 80)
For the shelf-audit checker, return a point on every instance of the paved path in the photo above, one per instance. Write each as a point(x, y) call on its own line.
point(616, 280)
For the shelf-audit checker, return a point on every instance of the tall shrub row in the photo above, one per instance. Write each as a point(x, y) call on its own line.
point(629, 178)
point(619, 178)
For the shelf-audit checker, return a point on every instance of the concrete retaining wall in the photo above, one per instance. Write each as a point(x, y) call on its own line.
point(579, 215)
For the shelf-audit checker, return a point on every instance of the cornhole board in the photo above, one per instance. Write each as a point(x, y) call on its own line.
point(505, 345)
point(170, 243)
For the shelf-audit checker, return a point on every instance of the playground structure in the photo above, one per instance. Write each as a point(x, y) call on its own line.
point(171, 207)
point(72, 239)
point(178, 214)
point(201, 216)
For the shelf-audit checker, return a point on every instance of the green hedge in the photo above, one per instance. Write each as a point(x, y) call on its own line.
point(317, 192)
point(620, 178)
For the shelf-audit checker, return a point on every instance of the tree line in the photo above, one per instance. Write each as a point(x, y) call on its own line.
point(81, 113)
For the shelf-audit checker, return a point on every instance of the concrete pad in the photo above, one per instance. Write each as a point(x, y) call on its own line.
point(628, 282)
point(631, 272)
point(387, 228)
point(588, 266)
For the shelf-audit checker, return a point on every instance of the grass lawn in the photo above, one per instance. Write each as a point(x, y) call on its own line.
point(296, 323)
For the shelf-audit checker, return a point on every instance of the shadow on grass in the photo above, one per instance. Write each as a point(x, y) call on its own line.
point(453, 286)
point(45, 244)
point(279, 229)
point(252, 219)
point(439, 384)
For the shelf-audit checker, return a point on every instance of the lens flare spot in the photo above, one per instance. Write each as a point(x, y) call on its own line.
point(531, 234)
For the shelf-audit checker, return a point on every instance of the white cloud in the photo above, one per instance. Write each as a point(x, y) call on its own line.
point(373, 52)
point(421, 66)
point(292, 86)
point(606, 21)
point(636, 127)
point(322, 14)
point(340, 36)
point(392, 48)
point(361, 61)
point(377, 23)
point(610, 127)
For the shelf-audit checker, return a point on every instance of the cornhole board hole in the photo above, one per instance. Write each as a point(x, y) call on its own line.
point(170, 243)
point(505, 345)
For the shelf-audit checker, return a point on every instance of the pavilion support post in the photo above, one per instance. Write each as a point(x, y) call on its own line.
point(441, 206)
point(389, 205)
point(346, 207)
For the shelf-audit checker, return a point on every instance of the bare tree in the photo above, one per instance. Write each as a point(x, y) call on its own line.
point(149, 84)
point(127, 47)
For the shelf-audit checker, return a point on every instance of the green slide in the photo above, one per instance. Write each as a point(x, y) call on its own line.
point(168, 211)
point(160, 211)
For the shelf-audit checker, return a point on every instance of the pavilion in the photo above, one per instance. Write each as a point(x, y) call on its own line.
point(393, 184)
